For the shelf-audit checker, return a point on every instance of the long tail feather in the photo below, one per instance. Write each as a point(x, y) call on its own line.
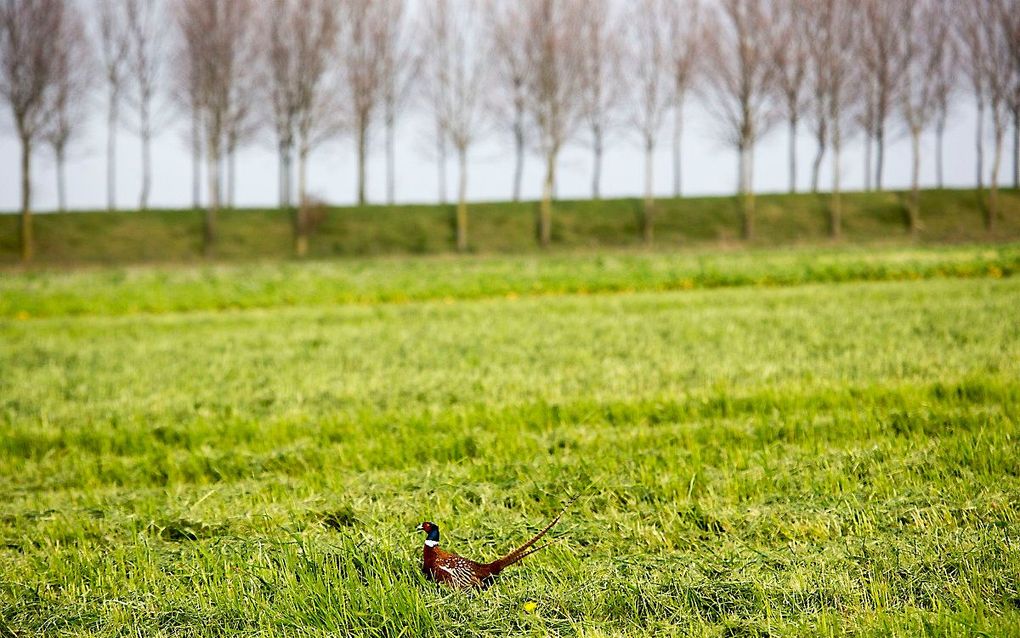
point(497, 566)
point(531, 551)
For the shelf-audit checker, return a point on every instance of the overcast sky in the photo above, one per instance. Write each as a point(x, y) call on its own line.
point(710, 166)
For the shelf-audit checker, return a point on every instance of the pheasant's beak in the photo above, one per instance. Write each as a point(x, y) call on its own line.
point(419, 528)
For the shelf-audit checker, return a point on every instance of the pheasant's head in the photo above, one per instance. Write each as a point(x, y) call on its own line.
point(431, 532)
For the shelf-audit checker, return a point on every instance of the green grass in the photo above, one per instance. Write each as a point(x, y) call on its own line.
point(829, 458)
point(949, 216)
point(130, 290)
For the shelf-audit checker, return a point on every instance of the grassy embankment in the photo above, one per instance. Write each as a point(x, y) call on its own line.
point(951, 216)
point(816, 459)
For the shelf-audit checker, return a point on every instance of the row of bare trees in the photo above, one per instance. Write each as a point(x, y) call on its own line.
point(540, 74)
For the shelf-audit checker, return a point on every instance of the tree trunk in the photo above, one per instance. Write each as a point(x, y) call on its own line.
point(678, 132)
point(301, 210)
point(545, 208)
point(231, 175)
point(441, 162)
point(867, 161)
point(740, 169)
point(391, 160)
point(1016, 146)
point(992, 212)
point(980, 135)
point(836, 207)
point(914, 207)
point(146, 135)
point(111, 152)
point(746, 191)
point(816, 168)
point(518, 152)
point(880, 157)
point(749, 203)
point(362, 158)
point(196, 160)
point(61, 179)
point(648, 210)
point(462, 213)
point(940, 133)
point(27, 239)
point(209, 227)
point(596, 179)
point(793, 154)
point(285, 151)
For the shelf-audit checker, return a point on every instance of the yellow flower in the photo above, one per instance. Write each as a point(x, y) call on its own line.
point(530, 606)
point(22, 315)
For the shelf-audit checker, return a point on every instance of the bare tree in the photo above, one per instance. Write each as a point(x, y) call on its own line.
point(791, 55)
point(686, 32)
point(215, 35)
point(602, 83)
point(241, 124)
point(552, 90)
point(881, 51)
point(923, 36)
point(362, 62)
point(866, 122)
point(651, 67)
point(996, 17)
point(944, 77)
point(113, 48)
point(186, 65)
point(1009, 17)
point(833, 24)
point(281, 67)
point(508, 35)
point(398, 70)
point(456, 81)
point(819, 58)
point(740, 86)
point(69, 95)
point(971, 35)
point(28, 28)
point(315, 27)
point(145, 29)
point(436, 54)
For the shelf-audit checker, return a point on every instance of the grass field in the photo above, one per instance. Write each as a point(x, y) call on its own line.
point(814, 442)
point(948, 216)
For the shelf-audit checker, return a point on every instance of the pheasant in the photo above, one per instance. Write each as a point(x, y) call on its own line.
point(462, 573)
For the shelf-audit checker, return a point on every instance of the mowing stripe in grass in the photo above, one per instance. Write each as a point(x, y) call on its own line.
point(394, 281)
